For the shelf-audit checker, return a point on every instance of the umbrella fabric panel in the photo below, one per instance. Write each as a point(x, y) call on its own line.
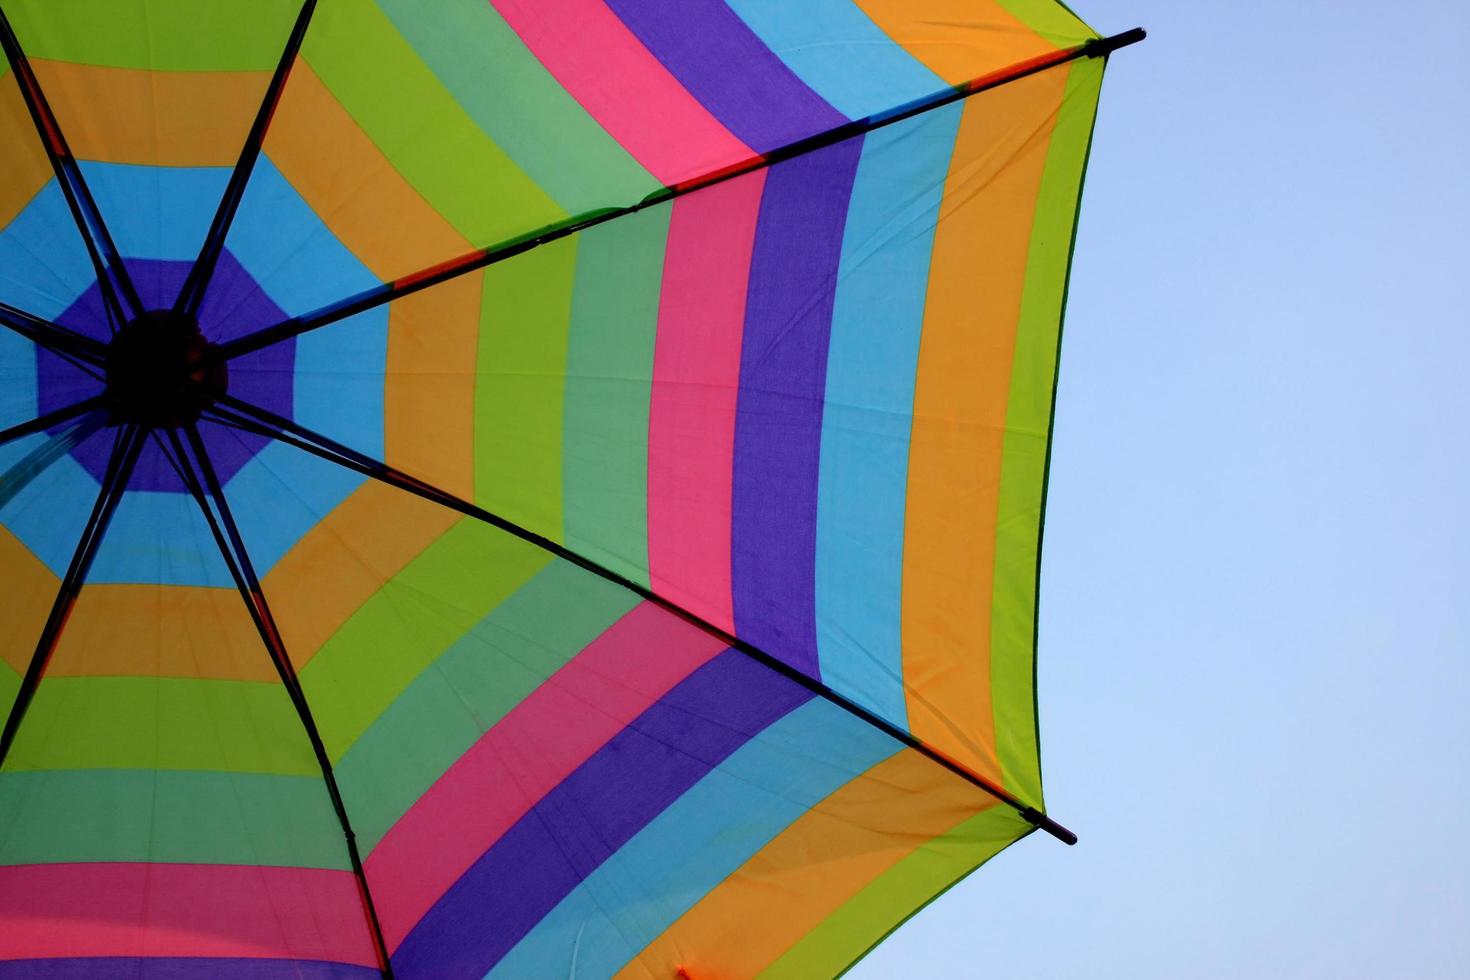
point(529, 754)
point(552, 112)
point(809, 404)
point(161, 799)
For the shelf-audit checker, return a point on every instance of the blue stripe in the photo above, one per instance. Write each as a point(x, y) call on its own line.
point(694, 845)
point(156, 212)
point(838, 52)
point(871, 367)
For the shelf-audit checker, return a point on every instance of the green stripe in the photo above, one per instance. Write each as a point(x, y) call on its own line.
point(521, 386)
point(162, 723)
point(436, 599)
point(1028, 430)
point(479, 59)
point(893, 897)
point(164, 35)
point(475, 684)
point(609, 381)
point(418, 126)
point(161, 816)
point(1052, 20)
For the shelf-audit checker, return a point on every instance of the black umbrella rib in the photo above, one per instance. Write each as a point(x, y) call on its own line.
point(119, 470)
point(77, 348)
point(55, 417)
point(204, 485)
point(251, 418)
point(191, 295)
point(112, 274)
point(443, 272)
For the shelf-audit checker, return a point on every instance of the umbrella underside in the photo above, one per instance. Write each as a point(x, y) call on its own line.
point(564, 499)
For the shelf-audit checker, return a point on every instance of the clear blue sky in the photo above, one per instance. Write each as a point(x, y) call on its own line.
point(1255, 631)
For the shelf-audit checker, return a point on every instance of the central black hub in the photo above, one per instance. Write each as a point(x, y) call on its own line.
point(159, 373)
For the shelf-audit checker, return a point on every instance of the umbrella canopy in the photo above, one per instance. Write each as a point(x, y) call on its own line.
point(524, 488)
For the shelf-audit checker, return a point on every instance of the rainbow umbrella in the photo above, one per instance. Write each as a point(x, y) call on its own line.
point(563, 500)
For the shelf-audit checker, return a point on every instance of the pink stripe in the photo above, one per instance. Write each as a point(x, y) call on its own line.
point(696, 381)
point(531, 750)
point(50, 910)
point(623, 86)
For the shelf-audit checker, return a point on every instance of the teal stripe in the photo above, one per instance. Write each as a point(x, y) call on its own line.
point(871, 368)
point(608, 385)
point(472, 685)
point(837, 51)
point(695, 844)
point(519, 104)
point(168, 816)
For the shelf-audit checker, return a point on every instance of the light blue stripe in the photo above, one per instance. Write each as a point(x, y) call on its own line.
point(43, 264)
point(301, 266)
point(871, 366)
point(709, 832)
point(837, 51)
point(156, 212)
point(287, 249)
point(280, 495)
point(48, 514)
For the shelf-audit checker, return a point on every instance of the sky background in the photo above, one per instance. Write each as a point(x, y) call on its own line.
point(1255, 620)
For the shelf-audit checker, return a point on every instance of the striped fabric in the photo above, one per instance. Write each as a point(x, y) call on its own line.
point(802, 401)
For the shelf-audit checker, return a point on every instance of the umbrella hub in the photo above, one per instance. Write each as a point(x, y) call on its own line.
point(158, 372)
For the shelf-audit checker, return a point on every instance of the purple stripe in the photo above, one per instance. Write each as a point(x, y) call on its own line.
point(724, 65)
point(778, 422)
point(593, 812)
point(180, 968)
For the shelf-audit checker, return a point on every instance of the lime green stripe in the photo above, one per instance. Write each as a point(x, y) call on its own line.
point(1051, 20)
point(522, 380)
point(165, 35)
point(609, 381)
point(1028, 429)
point(162, 723)
point(889, 900)
point(395, 635)
point(416, 123)
point(160, 816)
point(479, 59)
point(475, 684)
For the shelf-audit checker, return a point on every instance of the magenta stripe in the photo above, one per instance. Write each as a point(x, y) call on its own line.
point(624, 87)
point(778, 428)
point(696, 373)
point(594, 812)
point(181, 910)
point(729, 70)
point(525, 756)
point(182, 968)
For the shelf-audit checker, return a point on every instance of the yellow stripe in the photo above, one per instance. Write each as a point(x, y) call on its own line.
point(165, 119)
point(24, 168)
point(429, 394)
point(973, 306)
point(957, 39)
point(30, 588)
point(345, 558)
point(351, 186)
point(811, 869)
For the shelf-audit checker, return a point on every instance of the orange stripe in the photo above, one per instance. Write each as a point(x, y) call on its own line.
point(957, 39)
point(809, 870)
point(162, 631)
point(351, 186)
point(165, 119)
point(24, 168)
point(974, 301)
point(346, 558)
point(433, 339)
point(30, 588)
